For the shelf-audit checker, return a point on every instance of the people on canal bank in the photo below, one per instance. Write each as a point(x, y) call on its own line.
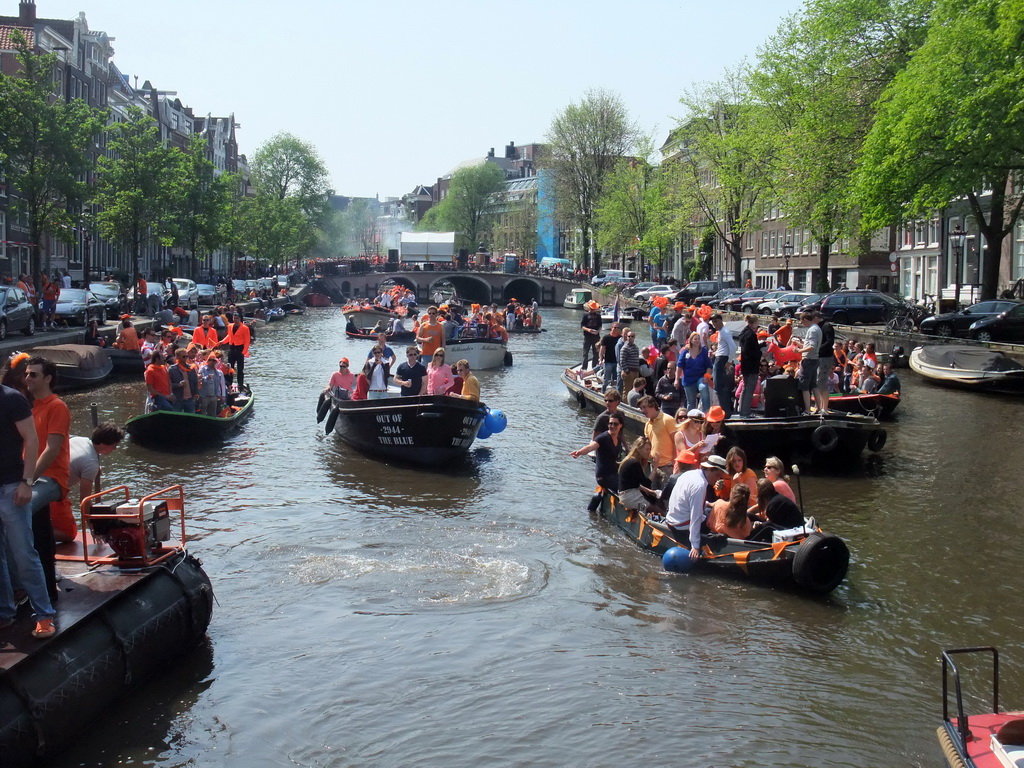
point(590, 325)
point(606, 447)
point(411, 375)
point(440, 378)
point(660, 429)
point(470, 383)
point(53, 429)
point(19, 448)
point(687, 503)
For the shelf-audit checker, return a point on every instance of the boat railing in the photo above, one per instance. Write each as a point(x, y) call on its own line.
point(949, 667)
point(134, 516)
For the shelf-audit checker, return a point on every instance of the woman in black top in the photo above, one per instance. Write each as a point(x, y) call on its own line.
point(636, 490)
point(775, 510)
point(608, 447)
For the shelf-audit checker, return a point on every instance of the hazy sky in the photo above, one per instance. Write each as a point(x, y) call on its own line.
point(396, 93)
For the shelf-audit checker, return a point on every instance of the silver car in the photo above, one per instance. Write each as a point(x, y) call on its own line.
point(188, 294)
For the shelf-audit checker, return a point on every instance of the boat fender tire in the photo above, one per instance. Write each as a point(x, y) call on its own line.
point(821, 562)
point(321, 409)
point(581, 400)
point(331, 420)
point(825, 439)
point(876, 440)
point(508, 358)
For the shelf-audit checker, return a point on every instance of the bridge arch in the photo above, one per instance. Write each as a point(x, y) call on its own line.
point(470, 289)
point(401, 280)
point(524, 289)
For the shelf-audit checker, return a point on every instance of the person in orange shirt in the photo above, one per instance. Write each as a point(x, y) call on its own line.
point(158, 382)
point(238, 338)
point(127, 337)
point(51, 292)
point(498, 330)
point(431, 333)
point(205, 335)
point(53, 431)
point(785, 333)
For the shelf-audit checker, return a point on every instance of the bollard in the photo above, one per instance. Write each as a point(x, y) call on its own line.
point(94, 410)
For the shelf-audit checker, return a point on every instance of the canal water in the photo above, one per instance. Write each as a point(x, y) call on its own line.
point(376, 616)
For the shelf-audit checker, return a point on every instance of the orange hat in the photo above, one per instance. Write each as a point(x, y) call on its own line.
point(705, 311)
point(592, 304)
point(343, 361)
point(126, 317)
point(716, 413)
point(686, 456)
point(679, 306)
point(762, 334)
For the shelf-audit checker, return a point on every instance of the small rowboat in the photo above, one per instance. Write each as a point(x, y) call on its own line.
point(431, 430)
point(967, 367)
point(879, 406)
point(815, 561)
point(171, 430)
point(990, 740)
point(78, 365)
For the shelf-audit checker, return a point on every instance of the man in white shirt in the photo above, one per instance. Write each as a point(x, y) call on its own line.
point(686, 505)
point(85, 457)
point(724, 353)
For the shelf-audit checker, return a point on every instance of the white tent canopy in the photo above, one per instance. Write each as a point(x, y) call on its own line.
point(427, 246)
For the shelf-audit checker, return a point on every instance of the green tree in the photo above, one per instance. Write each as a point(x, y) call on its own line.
point(722, 157)
point(288, 167)
point(585, 141)
point(949, 125)
point(818, 79)
point(41, 149)
point(136, 184)
point(474, 195)
point(202, 203)
point(272, 230)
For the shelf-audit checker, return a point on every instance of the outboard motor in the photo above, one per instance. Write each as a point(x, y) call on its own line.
point(897, 354)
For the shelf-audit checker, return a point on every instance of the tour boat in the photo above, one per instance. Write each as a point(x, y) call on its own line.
point(832, 438)
point(578, 298)
point(968, 367)
point(174, 430)
point(806, 559)
point(131, 601)
point(481, 354)
point(429, 430)
point(78, 365)
point(988, 740)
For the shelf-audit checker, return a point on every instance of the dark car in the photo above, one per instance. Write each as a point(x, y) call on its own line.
point(734, 303)
point(718, 298)
point(689, 294)
point(751, 305)
point(78, 306)
point(16, 313)
point(958, 323)
point(848, 307)
point(1007, 326)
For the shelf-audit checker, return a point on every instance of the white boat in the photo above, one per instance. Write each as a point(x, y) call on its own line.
point(480, 353)
point(968, 367)
point(577, 298)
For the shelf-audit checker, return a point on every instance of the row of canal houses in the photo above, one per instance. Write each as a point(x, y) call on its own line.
point(86, 71)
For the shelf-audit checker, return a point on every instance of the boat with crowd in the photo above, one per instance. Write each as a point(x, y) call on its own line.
point(778, 430)
point(175, 430)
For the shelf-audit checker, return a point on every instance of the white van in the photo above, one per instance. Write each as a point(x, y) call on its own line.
point(614, 276)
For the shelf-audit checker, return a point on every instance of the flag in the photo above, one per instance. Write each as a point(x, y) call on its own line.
point(615, 310)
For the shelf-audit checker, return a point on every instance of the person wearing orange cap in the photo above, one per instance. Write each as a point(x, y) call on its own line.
point(127, 337)
point(343, 378)
point(590, 324)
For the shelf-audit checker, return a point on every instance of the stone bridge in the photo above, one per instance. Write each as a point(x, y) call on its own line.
point(471, 287)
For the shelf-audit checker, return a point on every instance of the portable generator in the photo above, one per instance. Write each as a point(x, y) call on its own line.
point(119, 525)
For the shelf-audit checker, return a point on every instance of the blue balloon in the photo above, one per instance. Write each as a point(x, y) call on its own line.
point(677, 560)
point(484, 432)
point(495, 420)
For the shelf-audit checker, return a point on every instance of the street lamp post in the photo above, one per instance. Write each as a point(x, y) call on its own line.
point(787, 254)
point(957, 240)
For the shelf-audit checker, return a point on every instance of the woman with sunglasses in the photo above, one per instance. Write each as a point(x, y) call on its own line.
point(440, 378)
point(636, 489)
point(689, 439)
point(773, 473)
point(608, 446)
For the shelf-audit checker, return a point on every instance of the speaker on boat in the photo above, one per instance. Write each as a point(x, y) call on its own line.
point(781, 397)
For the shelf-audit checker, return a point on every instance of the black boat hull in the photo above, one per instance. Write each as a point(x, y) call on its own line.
point(428, 430)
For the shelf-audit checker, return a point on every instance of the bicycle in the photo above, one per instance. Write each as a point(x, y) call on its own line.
point(904, 318)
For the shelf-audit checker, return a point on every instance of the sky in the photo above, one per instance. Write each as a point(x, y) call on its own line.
point(396, 93)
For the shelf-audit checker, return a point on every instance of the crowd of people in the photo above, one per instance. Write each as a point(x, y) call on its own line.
point(455, 321)
point(41, 464)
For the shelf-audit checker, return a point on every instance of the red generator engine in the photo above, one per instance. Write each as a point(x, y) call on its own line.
point(125, 534)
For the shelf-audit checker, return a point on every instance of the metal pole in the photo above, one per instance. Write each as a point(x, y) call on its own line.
point(94, 413)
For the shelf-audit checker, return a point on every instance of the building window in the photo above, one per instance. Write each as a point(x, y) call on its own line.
point(1017, 268)
point(934, 229)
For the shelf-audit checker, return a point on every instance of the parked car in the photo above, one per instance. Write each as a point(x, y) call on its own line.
point(1006, 326)
point(785, 305)
point(283, 281)
point(239, 286)
point(718, 298)
point(689, 294)
point(750, 305)
point(635, 289)
point(959, 323)
point(858, 306)
point(188, 294)
point(78, 306)
point(655, 290)
point(110, 294)
point(735, 303)
point(16, 312)
point(207, 294)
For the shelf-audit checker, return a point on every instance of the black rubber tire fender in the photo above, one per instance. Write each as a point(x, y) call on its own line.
point(329, 427)
point(825, 439)
point(321, 410)
point(508, 358)
point(821, 562)
point(581, 400)
point(876, 440)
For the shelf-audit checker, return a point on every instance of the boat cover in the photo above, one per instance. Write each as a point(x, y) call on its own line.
point(960, 357)
point(84, 356)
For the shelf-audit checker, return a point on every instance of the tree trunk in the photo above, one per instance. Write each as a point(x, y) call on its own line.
point(993, 231)
point(735, 248)
point(823, 253)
